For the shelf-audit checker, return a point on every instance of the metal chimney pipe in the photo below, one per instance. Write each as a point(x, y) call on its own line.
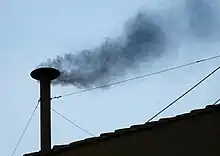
point(45, 76)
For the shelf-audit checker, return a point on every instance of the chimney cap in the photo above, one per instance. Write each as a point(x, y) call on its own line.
point(45, 73)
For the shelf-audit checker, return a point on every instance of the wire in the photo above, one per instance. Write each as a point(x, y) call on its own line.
point(139, 77)
point(74, 124)
point(181, 96)
point(25, 129)
point(216, 102)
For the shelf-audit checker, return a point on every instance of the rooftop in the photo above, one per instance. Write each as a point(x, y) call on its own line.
point(131, 130)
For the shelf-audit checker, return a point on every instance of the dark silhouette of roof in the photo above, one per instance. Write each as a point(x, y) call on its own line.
point(131, 130)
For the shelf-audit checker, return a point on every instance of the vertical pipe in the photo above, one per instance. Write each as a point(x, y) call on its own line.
point(45, 115)
point(45, 76)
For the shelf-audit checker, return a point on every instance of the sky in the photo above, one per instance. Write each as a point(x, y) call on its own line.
point(33, 31)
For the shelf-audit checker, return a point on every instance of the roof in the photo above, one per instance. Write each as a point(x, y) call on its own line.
point(133, 129)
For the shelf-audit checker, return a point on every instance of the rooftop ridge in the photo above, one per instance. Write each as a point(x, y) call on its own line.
point(131, 129)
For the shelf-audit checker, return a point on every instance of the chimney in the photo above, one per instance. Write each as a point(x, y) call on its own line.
point(45, 76)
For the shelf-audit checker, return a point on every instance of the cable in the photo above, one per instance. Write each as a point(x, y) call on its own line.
point(181, 96)
point(216, 102)
point(73, 123)
point(139, 77)
point(23, 133)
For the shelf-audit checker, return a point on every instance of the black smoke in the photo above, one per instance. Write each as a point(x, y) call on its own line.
point(144, 40)
point(203, 18)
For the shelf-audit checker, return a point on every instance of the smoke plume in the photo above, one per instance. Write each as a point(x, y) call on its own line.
point(203, 18)
point(144, 40)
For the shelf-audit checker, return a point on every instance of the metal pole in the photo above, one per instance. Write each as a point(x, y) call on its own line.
point(45, 115)
point(45, 76)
